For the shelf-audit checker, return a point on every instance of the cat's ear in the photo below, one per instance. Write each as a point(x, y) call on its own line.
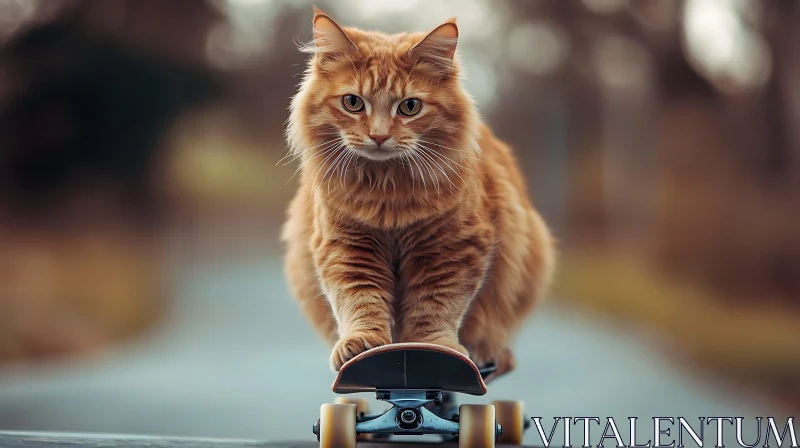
point(439, 46)
point(329, 37)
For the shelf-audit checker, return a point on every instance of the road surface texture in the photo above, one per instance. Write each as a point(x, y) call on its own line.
point(235, 359)
point(32, 440)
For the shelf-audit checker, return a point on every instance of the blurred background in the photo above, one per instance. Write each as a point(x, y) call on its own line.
point(142, 192)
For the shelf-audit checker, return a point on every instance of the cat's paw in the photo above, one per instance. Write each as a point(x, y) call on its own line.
point(450, 343)
point(502, 357)
point(348, 347)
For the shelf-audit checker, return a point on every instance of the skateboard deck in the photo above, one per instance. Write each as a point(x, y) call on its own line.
point(413, 366)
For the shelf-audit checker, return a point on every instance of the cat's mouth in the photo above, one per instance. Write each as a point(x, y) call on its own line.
point(378, 154)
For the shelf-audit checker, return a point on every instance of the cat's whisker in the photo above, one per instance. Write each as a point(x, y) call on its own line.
point(414, 157)
point(413, 182)
point(435, 164)
point(334, 164)
point(327, 150)
point(294, 158)
point(428, 160)
point(449, 159)
point(447, 162)
point(341, 169)
point(332, 169)
point(346, 163)
point(411, 171)
point(447, 147)
point(291, 154)
point(464, 156)
point(299, 168)
point(425, 151)
point(362, 174)
point(314, 184)
point(440, 145)
point(324, 150)
point(296, 154)
point(430, 170)
point(443, 158)
point(320, 153)
point(322, 165)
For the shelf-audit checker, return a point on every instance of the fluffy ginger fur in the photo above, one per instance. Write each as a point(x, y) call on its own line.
point(426, 237)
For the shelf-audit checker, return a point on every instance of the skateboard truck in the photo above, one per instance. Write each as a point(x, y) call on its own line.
point(407, 415)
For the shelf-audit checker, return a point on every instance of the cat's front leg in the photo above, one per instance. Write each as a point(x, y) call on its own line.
point(358, 282)
point(440, 278)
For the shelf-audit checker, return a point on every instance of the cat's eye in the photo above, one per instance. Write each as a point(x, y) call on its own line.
point(352, 103)
point(410, 107)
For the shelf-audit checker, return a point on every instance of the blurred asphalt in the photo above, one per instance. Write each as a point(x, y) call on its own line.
point(236, 359)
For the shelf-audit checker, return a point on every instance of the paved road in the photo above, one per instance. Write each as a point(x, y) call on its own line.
point(237, 360)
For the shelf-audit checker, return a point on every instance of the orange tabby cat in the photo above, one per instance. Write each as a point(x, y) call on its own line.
point(411, 222)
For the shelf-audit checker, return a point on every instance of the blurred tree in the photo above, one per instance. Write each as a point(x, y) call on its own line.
point(89, 108)
point(89, 94)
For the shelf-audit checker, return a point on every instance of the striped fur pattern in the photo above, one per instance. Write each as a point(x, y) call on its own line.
point(426, 237)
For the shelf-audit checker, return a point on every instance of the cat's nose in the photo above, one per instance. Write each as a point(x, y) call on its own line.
point(379, 138)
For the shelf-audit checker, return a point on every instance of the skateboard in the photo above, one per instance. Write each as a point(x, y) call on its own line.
point(419, 381)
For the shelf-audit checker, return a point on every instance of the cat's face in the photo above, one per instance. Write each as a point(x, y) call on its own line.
point(382, 97)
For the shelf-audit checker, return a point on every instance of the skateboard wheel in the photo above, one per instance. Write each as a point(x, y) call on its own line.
point(477, 427)
point(510, 415)
point(362, 405)
point(337, 426)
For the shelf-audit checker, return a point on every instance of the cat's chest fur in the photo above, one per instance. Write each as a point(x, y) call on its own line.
point(393, 212)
